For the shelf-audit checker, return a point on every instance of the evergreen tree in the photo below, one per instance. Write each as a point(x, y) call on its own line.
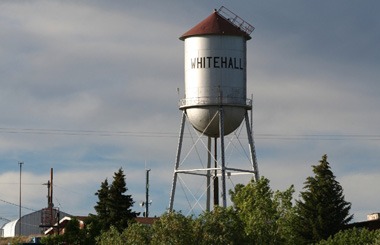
point(322, 212)
point(114, 206)
point(120, 204)
point(102, 206)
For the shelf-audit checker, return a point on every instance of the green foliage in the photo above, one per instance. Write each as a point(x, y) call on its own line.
point(52, 240)
point(221, 226)
point(120, 212)
point(110, 237)
point(14, 240)
point(93, 228)
point(286, 216)
point(102, 206)
point(73, 235)
point(114, 206)
point(267, 216)
point(322, 212)
point(174, 228)
point(137, 233)
point(259, 216)
point(353, 237)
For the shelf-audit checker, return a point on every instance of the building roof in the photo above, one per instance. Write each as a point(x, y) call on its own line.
point(369, 224)
point(215, 24)
point(9, 229)
point(146, 220)
point(30, 224)
point(62, 224)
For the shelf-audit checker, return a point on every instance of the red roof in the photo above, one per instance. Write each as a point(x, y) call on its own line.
point(146, 220)
point(215, 24)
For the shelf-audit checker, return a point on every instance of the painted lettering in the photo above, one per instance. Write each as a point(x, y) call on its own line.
point(199, 62)
point(223, 62)
point(230, 64)
point(209, 61)
point(192, 63)
point(217, 62)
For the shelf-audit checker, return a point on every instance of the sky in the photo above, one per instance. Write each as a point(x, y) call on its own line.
point(88, 87)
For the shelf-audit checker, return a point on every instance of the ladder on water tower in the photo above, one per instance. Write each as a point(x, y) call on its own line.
point(235, 20)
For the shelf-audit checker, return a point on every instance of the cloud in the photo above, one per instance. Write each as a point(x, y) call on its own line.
point(362, 196)
point(88, 87)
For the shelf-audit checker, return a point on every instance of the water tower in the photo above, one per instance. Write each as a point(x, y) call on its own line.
point(215, 101)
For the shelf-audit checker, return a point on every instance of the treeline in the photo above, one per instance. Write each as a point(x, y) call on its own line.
point(259, 215)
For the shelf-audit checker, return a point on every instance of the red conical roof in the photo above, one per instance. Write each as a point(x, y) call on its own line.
point(215, 25)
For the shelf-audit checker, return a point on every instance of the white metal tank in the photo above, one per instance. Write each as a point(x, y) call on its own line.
point(215, 74)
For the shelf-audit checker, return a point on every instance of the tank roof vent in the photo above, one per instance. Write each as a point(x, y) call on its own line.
point(235, 20)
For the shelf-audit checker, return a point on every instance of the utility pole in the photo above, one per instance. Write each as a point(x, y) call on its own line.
point(19, 210)
point(147, 194)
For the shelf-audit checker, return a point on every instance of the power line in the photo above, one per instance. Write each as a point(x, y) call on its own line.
point(14, 183)
point(14, 204)
point(155, 134)
point(2, 218)
point(81, 132)
point(318, 136)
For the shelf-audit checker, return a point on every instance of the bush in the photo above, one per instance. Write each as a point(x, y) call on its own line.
point(353, 236)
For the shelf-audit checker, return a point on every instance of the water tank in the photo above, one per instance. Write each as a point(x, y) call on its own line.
point(215, 74)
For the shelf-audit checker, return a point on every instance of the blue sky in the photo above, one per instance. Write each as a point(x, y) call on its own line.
point(88, 87)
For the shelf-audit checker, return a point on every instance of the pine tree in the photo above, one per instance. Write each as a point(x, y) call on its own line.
point(120, 204)
point(322, 211)
point(114, 206)
point(102, 206)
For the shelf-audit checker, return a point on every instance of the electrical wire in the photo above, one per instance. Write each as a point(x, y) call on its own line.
point(14, 204)
point(155, 134)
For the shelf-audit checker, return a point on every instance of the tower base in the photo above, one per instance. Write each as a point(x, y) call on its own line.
point(212, 172)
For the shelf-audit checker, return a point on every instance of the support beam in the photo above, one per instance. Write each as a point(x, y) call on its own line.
point(208, 176)
point(252, 148)
point(178, 157)
point(221, 133)
point(216, 179)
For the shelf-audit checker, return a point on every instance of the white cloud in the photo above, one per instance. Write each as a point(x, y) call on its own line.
point(360, 189)
point(88, 87)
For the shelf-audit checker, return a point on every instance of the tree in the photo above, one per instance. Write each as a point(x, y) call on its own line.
point(353, 236)
point(114, 206)
point(119, 204)
point(174, 228)
point(73, 233)
point(322, 210)
point(137, 233)
point(221, 226)
point(110, 237)
point(267, 215)
point(102, 206)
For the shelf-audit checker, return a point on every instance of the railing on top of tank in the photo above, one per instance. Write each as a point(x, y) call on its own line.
point(205, 101)
point(236, 20)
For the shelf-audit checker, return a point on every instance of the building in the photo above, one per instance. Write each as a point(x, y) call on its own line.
point(61, 225)
point(372, 223)
point(30, 224)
